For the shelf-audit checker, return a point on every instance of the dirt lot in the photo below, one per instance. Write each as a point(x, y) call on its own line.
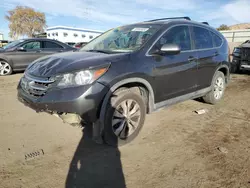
point(177, 148)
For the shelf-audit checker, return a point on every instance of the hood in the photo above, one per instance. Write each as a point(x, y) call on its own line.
point(48, 66)
point(2, 50)
point(247, 45)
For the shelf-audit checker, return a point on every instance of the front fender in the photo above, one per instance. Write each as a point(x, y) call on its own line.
point(121, 82)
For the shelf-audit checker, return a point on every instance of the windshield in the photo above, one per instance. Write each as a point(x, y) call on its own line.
point(12, 44)
point(122, 39)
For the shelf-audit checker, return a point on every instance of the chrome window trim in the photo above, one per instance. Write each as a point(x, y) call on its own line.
point(189, 24)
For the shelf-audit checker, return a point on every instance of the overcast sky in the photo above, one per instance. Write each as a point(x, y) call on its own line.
point(104, 14)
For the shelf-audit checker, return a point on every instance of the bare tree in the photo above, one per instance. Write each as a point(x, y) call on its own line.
point(25, 21)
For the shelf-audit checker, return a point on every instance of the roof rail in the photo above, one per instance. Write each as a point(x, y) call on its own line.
point(205, 23)
point(186, 18)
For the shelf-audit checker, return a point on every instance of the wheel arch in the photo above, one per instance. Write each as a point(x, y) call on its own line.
point(225, 70)
point(4, 58)
point(128, 82)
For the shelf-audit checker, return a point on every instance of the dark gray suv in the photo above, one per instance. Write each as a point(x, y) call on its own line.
point(127, 72)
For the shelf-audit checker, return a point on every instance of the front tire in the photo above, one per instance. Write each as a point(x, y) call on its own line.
point(218, 88)
point(5, 68)
point(125, 116)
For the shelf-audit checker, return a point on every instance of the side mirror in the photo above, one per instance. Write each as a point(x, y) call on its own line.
point(170, 49)
point(20, 49)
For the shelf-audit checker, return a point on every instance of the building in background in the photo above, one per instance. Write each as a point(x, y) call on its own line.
point(235, 38)
point(71, 34)
point(41, 35)
point(2, 41)
point(1, 36)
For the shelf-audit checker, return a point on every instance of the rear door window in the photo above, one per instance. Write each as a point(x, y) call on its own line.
point(51, 45)
point(202, 38)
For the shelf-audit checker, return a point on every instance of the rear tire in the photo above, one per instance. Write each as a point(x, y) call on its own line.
point(125, 116)
point(5, 68)
point(218, 88)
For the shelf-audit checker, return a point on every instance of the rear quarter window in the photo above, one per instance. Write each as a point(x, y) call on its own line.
point(216, 40)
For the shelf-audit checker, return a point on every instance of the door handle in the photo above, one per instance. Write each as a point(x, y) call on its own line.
point(216, 53)
point(191, 58)
point(38, 51)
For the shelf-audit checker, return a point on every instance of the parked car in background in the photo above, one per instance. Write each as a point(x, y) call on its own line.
point(127, 72)
point(17, 55)
point(241, 57)
point(70, 43)
point(80, 44)
point(3, 43)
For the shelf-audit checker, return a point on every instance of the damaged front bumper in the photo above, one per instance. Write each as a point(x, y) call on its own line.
point(70, 118)
point(73, 105)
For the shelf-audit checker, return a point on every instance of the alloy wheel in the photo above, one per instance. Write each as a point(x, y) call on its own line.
point(126, 118)
point(218, 88)
point(5, 68)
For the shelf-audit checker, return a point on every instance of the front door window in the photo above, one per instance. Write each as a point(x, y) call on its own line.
point(32, 45)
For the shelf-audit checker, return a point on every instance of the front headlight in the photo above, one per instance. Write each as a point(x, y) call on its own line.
point(236, 50)
point(83, 77)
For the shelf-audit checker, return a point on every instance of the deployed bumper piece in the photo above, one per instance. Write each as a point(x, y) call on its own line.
point(73, 119)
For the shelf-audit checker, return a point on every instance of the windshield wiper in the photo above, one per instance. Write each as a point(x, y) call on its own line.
point(101, 51)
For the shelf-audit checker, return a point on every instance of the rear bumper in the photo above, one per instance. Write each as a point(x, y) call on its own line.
point(84, 101)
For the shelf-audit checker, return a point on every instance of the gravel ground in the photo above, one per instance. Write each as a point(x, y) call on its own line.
point(176, 148)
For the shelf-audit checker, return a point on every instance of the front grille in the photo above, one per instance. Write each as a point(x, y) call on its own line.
point(245, 54)
point(35, 86)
